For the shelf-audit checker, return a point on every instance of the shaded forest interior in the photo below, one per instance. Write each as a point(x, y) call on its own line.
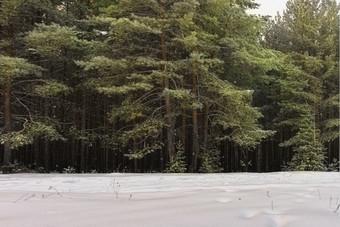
point(168, 86)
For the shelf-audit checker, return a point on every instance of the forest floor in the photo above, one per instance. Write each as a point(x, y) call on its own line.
point(281, 199)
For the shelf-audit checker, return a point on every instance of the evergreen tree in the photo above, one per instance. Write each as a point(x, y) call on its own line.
point(177, 161)
point(20, 126)
point(307, 147)
point(310, 91)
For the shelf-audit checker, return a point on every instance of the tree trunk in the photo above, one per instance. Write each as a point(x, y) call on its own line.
point(195, 142)
point(183, 123)
point(259, 158)
point(46, 143)
point(7, 123)
point(169, 130)
point(83, 127)
point(7, 102)
point(135, 160)
point(206, 126)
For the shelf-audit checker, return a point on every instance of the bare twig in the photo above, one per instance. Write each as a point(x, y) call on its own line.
point(20, 198)
point(33, 195)
point(272, 205)
point(55, 190)
point(116, 187)
point(45, 196)
point(58, 193)
point(319, 193)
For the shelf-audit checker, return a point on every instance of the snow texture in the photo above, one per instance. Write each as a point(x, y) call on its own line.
point(283, 199)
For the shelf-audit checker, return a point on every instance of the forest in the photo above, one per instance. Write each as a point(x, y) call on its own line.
point(172, 86)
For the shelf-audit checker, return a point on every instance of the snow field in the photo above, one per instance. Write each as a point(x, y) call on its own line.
point(283, 199)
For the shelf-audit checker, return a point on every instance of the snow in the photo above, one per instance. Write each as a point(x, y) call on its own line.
point(282, 199)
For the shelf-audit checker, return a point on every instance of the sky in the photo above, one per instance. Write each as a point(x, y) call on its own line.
point(270, 7)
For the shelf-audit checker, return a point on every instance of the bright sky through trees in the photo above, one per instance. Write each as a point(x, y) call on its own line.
point(271, 7)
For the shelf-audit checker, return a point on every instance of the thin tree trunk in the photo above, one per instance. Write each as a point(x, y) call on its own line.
point(7, 123)
point(83, 127)
point(135, 149)
point(236, 158)
point(105, 132)
point(247, 159)
point(259, 158)
point(195, 142)
point(135, 160)
point(7, 102)
point(273, 156)
point(183, 123)
point(169, 130)
point(74, 146)
point(46, 143)
point(206, 126)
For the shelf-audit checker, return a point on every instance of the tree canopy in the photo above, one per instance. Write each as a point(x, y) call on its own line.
point(169, 86)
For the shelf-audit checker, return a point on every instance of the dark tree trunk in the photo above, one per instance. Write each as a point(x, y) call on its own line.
point(7, 101)
point(46, 143)
point(206, 126)
point(82, 128)
point(7, 123)
point(195, 142)
point(259, 158)
point(169, 130)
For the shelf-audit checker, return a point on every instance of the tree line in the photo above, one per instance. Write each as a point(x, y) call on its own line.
point(168, 86)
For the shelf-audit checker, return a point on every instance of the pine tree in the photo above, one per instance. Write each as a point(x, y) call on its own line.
point(16, 18)
point(311, 45)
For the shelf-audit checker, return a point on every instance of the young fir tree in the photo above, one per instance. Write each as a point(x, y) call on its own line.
point(177, 163)
point(309, 151)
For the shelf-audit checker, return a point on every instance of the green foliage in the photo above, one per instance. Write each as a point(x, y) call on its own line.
point(54, 40)
point(236, 114)
point(177, 162)
point(105, 66)
point(333, 166)
point(128, 112)
point(69, 170)
point(120, 81)
point(31, 131)
point(309, 152)
point(307, 32)
point(11, 8)
point(129, 28)
point(210, 161)
point(51, 89)
point(148, 148)
point(15, 167)
point(308, 158)
point(125, 89)
point(18, 167)
point(150, 128)
point(12, 67)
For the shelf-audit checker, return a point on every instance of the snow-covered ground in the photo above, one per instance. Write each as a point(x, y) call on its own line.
point(301, 199)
